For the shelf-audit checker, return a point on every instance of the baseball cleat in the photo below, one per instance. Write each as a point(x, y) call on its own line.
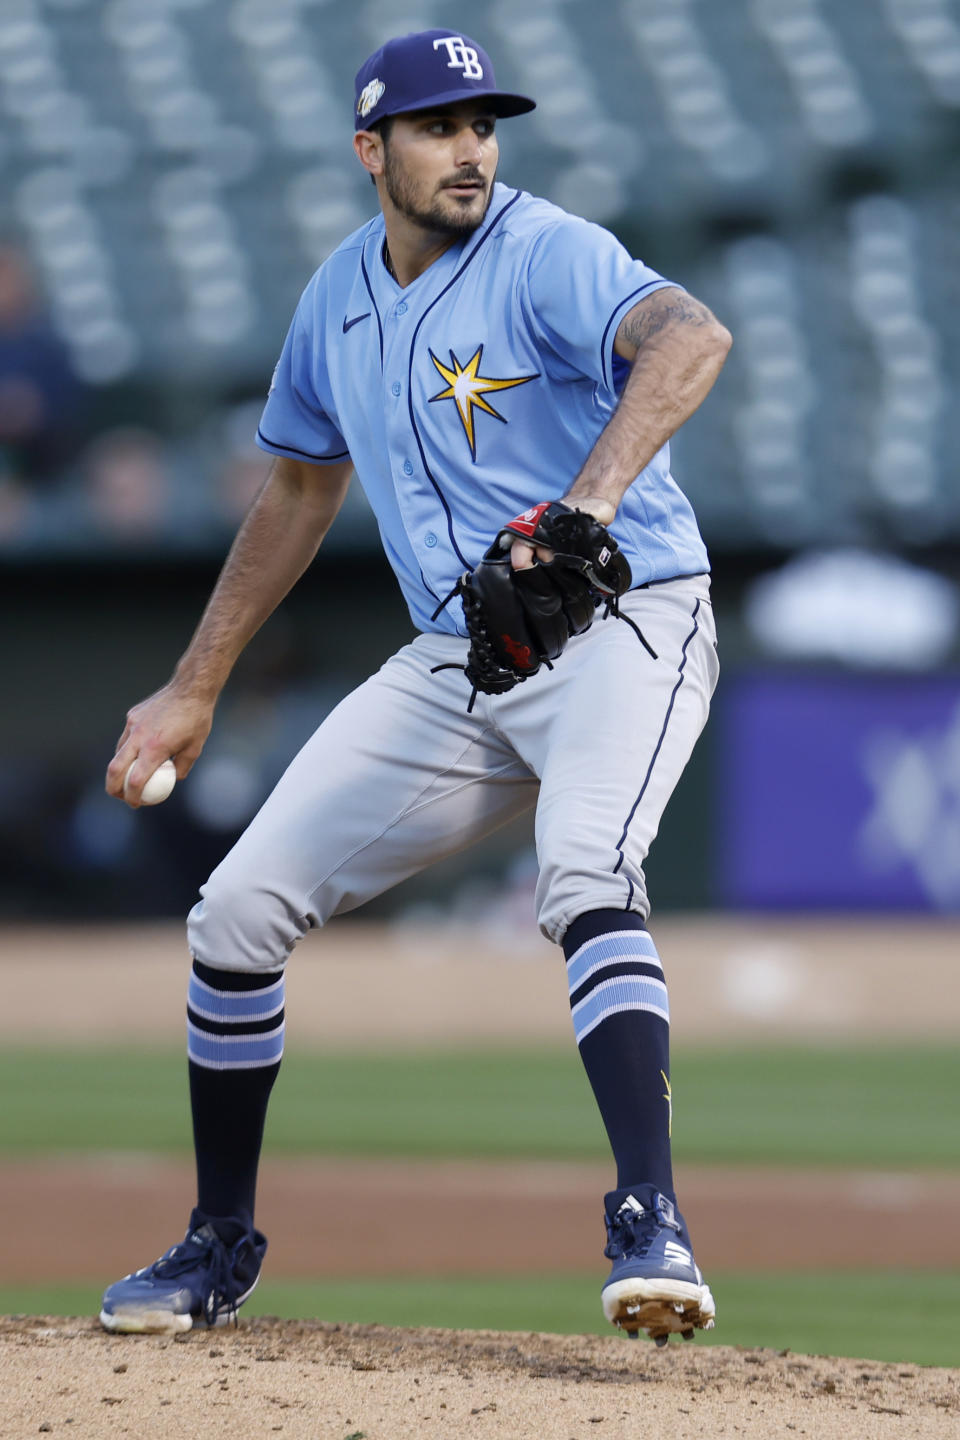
point(205, 1277)
point(654, 1284)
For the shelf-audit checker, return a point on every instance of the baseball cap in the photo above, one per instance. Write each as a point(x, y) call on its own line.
point(427, 68)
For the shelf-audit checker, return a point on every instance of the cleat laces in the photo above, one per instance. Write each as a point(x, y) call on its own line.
point(630, 1232)
point(612, 607)
point(207, 1253)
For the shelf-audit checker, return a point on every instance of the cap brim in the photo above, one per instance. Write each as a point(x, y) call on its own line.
point(508, 105)
point(501, 102)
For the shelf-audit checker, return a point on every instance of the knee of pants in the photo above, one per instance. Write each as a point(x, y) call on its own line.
point(567, 888)
point(239, 925)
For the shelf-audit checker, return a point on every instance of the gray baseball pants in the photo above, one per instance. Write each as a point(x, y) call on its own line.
point(399, 775)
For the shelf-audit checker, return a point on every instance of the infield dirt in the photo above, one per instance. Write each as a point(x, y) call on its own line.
point(308, 1381)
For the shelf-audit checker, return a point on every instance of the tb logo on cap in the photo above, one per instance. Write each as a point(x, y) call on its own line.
point(461, 56)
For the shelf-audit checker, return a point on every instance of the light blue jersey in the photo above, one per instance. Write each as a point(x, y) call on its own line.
point(474, 393)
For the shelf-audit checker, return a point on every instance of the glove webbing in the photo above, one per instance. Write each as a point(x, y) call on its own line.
point(478, 643)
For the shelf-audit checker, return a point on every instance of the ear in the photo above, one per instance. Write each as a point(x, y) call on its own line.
point(369, 151)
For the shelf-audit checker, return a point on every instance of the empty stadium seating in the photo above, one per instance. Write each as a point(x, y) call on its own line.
point(177, 168)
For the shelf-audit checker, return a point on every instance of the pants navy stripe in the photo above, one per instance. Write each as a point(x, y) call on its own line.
point(653, 759)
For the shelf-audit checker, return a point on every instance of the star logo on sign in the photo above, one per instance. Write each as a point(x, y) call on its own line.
point(914, 820)
point(467, 388)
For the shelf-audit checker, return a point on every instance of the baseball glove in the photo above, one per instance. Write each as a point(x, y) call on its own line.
point(518, 620)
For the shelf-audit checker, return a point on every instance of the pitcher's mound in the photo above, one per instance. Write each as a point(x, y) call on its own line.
point(302, 1380)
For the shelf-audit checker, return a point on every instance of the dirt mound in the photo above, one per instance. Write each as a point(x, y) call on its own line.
point(304, 1379)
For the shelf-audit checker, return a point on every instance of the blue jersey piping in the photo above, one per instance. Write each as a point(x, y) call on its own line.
point(373, 301)
point(651, 284)
point(302, 454)
point(653, 759)
point(413, 419)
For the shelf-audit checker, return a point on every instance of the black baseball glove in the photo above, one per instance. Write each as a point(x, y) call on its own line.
point(518, 620)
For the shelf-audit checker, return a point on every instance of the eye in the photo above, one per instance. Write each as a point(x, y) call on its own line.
point(484, 128)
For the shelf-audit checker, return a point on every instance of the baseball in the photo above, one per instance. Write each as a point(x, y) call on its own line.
point(160, 784)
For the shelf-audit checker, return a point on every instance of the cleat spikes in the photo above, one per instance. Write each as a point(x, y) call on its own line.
point(661, 1316)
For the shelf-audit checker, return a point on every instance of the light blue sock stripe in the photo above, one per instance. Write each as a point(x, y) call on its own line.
point(234, 1052)
point(239, 1005)
point(224, 1064)
point(623, 992)
point(607, 949)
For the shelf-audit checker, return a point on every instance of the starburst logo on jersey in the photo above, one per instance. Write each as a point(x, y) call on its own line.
point(467, 388)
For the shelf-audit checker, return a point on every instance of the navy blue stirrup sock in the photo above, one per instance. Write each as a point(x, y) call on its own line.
point(621, 1019)
point(234, 1044)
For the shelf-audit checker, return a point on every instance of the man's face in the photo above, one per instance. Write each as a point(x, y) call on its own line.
point(439, 167)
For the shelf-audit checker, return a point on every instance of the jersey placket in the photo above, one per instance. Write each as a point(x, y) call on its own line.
point(420, 508)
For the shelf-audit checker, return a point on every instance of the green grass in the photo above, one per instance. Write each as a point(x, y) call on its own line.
point(873, 1315)
point(869, 1106)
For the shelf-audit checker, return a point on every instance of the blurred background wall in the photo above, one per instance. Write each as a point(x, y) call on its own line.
point(172, 172)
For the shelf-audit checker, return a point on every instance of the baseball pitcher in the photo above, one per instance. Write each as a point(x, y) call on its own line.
point(504, 380)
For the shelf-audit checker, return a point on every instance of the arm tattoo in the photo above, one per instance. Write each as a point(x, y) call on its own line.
point(663, 309)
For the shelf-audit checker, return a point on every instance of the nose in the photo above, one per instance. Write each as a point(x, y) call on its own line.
point(468, 149)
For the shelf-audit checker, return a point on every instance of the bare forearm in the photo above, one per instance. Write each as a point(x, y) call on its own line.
point(679, 352)
point(275, 544)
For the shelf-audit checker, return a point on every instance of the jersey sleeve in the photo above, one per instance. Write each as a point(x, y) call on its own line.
point(296, 421)
point(580, 282)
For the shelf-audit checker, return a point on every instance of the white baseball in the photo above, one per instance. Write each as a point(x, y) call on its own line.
point(160, 784)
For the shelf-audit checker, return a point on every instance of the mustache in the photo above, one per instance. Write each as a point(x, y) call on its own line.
point(469, 176)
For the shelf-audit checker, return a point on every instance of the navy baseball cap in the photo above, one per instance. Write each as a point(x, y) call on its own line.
point(427, 68)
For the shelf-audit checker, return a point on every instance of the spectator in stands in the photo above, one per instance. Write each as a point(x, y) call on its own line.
point(127, 487)
point(39, 393)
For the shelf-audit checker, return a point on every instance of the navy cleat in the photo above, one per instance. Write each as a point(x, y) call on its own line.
point(655, 1284)
point(206, 1277)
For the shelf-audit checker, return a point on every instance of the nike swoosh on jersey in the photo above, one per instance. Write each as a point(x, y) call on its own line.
point(349, 324)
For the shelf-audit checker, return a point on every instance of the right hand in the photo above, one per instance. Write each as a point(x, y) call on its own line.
point(522, 556)
point(171, 724)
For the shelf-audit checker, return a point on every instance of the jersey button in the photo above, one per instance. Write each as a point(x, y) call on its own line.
point(407, 468)
point(429, 539)
point(396, 387)
point(402, 308)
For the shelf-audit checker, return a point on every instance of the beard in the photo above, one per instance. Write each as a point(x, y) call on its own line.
point(455, 218)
